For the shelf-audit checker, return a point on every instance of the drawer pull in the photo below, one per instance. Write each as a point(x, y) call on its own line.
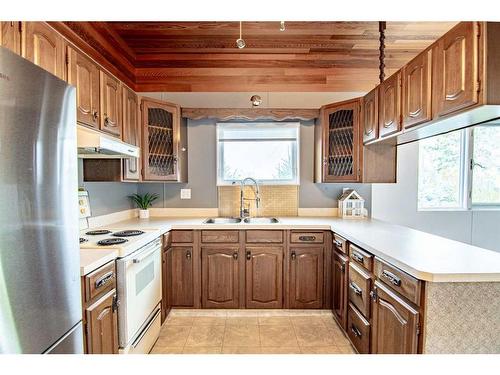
point(391, 277)
point(188, 254)
point(355, 331)
point(307, 238)
point(293, 255)
point(249, 255)
point(342, 267)
point(104, 279)
point(235, 255)
point(356, 289)
point(358, 258)
point(338, 243)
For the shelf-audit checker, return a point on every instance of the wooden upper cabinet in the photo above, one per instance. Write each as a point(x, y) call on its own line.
point(111, 104)
point(370, 116)
point(417, 87)
point(10, 36)
point(306, 278)
point(220, 277)
point(340, 142)
point(44, 47)
point(339, 287)
point(456, 69)
point(83, 73)
point(160, 140)
point(102, 325)
point(264, 277)
point(131, 132)
point(389, 99)
point(395, 323)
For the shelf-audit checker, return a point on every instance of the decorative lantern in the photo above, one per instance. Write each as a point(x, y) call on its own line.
point(351, 205)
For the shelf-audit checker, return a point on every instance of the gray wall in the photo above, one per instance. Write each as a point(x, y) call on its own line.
point(397, 203)
point(203, 179)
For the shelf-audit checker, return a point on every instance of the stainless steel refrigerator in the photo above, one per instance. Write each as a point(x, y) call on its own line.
point(40, 306)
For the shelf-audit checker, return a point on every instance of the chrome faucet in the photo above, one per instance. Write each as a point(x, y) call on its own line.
point(245, 212)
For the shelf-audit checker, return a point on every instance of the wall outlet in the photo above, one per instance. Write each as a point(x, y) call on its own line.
point(185, 193)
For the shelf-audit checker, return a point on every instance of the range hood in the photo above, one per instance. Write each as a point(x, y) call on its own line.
point(95, 145)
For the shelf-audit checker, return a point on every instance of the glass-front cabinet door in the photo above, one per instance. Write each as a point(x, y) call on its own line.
point(341, 142)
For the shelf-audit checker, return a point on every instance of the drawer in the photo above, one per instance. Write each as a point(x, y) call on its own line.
point(307, 237)
point(215, 236)
point(100, 281)
point(183, 236)
point(400, 281)
point(264, 236)
point(167, 240)
point(359, 285)
point(340, 243)
point(361, 257)
point(358, 330)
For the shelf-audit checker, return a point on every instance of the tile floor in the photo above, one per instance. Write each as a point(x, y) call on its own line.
point(251, 332)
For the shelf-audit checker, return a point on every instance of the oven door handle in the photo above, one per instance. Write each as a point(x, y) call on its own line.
point(144, 255)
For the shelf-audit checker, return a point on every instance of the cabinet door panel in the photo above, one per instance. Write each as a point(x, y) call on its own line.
point(456, 69)
point(102, 326)
point(111, 105)
point(390, 105)
point(417, 90)
point(306, 278)
point(131, 132)
point(370, 116)
point(10, 36)
point(44, 47)
point(264, 277)
point(339, 288)
point(395, 324)
point(84, 75)
point(182, 277)
point(220, 277)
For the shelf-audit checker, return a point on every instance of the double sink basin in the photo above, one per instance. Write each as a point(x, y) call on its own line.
point(237, 220)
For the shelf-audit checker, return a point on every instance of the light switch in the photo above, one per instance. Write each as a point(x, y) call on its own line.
point(185, 193)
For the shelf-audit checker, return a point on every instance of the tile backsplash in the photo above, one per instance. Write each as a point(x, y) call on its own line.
point(275, 200)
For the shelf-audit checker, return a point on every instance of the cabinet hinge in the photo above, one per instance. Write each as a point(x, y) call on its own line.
point(20, 26)
point(478, 85)
point(67, 59)
point(418, 329)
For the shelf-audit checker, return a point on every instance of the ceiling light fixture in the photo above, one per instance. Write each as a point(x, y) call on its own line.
point(240, 43)
point(256, 100)
point(381, 58)
point(282, 26)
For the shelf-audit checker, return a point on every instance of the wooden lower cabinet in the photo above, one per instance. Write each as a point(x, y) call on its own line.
point(183, 268)
point(395, 323)
point(306, 278)
point(220, 277)
point(166, 282)
point(102, 325)
point(358, 330)
point(264, 277)
point(340, 279)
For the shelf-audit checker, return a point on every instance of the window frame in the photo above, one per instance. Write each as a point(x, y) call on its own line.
point(295, 150)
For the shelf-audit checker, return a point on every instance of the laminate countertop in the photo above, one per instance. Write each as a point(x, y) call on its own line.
point(425, 256)
point(92, 259)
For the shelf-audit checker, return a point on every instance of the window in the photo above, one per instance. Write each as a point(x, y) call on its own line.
point(267, 152)
point(460, 170)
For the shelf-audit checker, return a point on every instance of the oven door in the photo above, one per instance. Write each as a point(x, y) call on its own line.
point(139, 289)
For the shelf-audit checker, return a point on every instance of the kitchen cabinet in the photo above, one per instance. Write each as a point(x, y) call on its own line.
point(338, 144)
point(358, 330)
point(10, 36)
point(264, 276)
point(102, 325)
point(456, 69)
point(220, 277)
point(83, 73)
point(183, 270)
point(389, 98)
point(305, 277)
point(44, 47)
point(131, 132)
point(164, 140)
point(340, 279)
point(395, 323)
point(370, 116)
point(111, 104)
point(416, 91)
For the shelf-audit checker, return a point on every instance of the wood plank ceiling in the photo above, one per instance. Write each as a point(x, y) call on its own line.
point(307, 56)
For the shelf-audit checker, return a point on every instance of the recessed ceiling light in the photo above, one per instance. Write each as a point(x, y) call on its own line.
point(282, 26)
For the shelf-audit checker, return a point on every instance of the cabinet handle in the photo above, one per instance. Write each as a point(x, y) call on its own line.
point(307, 238)
point(338, 243)
point(104, 279)
point(373, 294)
point(355, 331)
point(235, 255)
point(294, 255)
point(249, 255)
point(108, 122)
point(356, 289)
point(342, 267)
point(174, 159)
point(115, 303)
point(188, 254)
point(95, 114)
point(358, 258)
point(391, 277)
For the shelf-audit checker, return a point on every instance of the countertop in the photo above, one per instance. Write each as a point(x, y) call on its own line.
point(425, 256)
point(92, 259)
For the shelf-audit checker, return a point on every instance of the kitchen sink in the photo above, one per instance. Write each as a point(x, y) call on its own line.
point(222, 220)
point(261, 220)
